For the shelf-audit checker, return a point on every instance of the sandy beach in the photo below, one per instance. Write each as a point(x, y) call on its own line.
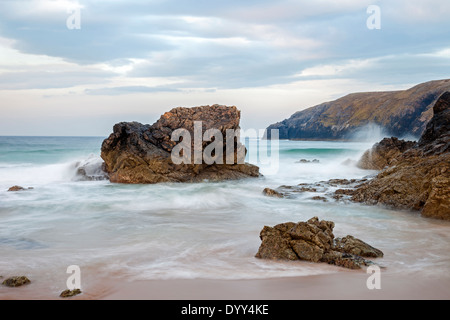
point(345, 285)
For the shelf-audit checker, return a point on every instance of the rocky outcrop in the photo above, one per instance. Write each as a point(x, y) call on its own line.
point(399, 113)
point(384, 153)
point(137, 153)
point(314, 241)
point(420, 178)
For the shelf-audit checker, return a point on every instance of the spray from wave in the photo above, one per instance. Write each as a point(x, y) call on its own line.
point(87, 169)
point(90, 169)
point(370, 133)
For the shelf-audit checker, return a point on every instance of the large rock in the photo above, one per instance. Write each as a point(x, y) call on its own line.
point(398, 113)
point(420, 178)
point(137, 153)
point(314, 241)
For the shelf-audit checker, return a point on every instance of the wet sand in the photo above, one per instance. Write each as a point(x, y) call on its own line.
point(345, 285)
point(340, 286)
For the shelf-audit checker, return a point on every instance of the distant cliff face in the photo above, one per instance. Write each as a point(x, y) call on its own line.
point(399, 113)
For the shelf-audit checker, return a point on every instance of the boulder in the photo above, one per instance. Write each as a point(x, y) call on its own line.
point(137, 153)
point(314, 241)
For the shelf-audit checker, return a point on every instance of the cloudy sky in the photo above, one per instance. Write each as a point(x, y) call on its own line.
point(72, 67)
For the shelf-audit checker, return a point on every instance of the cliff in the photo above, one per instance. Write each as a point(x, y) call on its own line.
point(399, 113)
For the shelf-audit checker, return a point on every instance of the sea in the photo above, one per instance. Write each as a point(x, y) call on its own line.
point(209, 230)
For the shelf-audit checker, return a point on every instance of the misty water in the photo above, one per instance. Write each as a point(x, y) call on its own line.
point(186, 231)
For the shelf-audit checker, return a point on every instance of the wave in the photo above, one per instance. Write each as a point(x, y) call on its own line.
point(90, 169)
point(317, 151)
point(87, 169)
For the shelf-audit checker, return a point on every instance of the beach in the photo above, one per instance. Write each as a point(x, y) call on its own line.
point(198, 241)
point(349, 285)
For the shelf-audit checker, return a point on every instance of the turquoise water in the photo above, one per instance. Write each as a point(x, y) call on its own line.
point(184, 231)
point(46, 150)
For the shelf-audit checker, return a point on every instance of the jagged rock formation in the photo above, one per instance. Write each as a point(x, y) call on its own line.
point(314, 241)
point(399, 113)
point(137, 153)
point(420, 178)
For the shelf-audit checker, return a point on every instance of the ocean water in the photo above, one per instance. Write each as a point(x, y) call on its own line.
point(185, 231)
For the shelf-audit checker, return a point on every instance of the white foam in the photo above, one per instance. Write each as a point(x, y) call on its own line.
point(26, 174)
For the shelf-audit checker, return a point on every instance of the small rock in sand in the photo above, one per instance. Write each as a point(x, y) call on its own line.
point(70, 293)
point(16, 281)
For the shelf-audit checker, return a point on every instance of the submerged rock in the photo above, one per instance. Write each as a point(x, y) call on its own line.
point(324, 190)
point(16, 281)
point(91, 169)
point(324, 199)
point(314, 241)
point(137, 153)
point(420, 178)
point(272, 193)
point(308, 161)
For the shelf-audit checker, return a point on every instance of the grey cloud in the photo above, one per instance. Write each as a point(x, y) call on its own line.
point(158, 32)
point(129, 89)
point(50, 80)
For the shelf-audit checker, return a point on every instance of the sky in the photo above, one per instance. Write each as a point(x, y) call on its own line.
point(75, 68)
